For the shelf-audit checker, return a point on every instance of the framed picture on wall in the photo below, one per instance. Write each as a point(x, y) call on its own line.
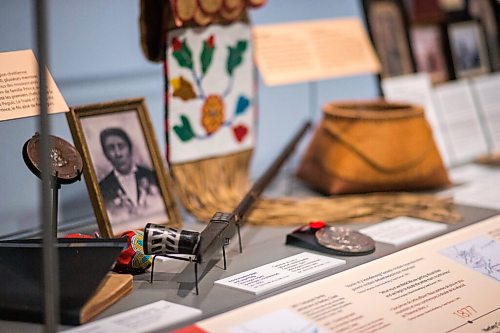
point(124, 173)
point(388, 28)
point(428, 45)
point(468, 49)
point(488, 13)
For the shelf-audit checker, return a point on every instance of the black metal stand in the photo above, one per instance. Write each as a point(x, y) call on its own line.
point(54, 189)
point(226, 243)
point(239, 237)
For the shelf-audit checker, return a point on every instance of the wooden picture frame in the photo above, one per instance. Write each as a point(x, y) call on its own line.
point(469, 52)
point(430, 52)
point(388, 29)
point(127, 183)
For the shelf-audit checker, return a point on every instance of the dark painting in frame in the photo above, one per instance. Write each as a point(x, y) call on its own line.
point(388, 28)
point(469, 53)
point(126, 180)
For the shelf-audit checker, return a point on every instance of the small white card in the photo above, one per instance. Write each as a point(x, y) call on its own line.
point(142, 319)
point(279, 273)
point(402, 230)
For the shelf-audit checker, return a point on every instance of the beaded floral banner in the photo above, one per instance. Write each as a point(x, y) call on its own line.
point(210, 92)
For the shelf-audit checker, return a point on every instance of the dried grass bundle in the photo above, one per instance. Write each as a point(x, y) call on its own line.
point(218, 184)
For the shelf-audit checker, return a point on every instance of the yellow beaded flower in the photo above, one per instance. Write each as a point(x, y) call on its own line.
point(212, 115)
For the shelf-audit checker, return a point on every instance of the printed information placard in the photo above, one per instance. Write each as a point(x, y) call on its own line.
point(307, 51)
point(280, 273)
point(19, 87)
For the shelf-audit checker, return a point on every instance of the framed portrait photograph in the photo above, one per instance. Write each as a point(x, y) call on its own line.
point(468, 49)
point(429, 52)
point(388, 29)
point(127, 183)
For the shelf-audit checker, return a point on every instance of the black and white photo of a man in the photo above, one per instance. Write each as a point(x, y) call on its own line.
point(129, 189)
point(127, 184)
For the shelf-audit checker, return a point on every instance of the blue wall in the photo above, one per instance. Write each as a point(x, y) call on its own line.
point(95, 56)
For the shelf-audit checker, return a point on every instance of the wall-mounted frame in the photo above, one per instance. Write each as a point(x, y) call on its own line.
point(124, 173)
point(488, 13)
point(468, 49)
point(388, 28)
point(431, 55)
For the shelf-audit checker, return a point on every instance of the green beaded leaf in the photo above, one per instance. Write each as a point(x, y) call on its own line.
point(242, 45)
point(235, 56)
point(183, 55)
point(206, 55)
point(185, 131)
